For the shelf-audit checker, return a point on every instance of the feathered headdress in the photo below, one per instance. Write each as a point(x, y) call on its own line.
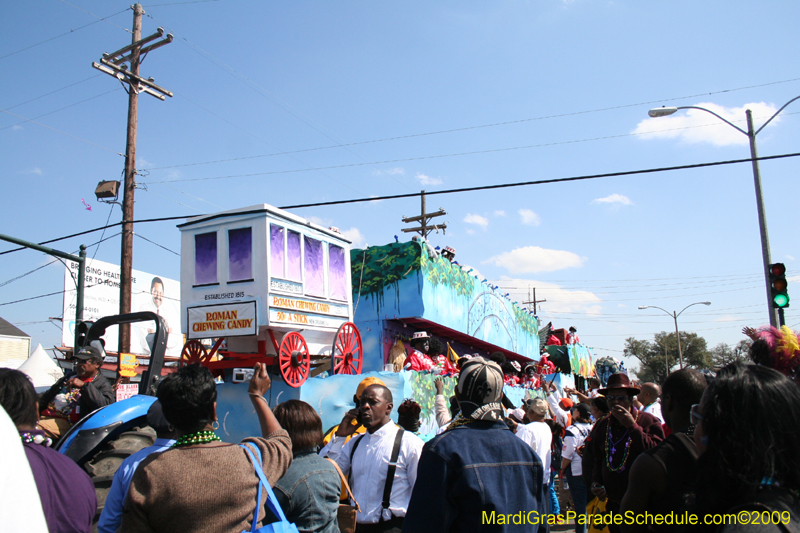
point(784, 349)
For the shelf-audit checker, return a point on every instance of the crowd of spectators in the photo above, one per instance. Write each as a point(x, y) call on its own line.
point(685, 446)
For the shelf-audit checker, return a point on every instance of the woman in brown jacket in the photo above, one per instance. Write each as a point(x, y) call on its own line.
point(201, 483)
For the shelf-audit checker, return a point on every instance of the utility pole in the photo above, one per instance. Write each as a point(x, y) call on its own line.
point(423, 220)
point(533, 300)
point(114, 65)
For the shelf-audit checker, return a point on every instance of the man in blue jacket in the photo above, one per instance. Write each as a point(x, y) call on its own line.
point(477, 475)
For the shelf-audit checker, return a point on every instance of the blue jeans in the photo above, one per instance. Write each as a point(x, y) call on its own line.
point(580, 495)
point(555, 508)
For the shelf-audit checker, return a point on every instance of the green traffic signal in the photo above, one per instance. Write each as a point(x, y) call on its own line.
point(778, 285)
point(781, 300)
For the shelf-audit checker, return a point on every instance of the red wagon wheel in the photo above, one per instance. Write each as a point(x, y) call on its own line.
point(347, 350)
point(293, 358)
point(193, 352)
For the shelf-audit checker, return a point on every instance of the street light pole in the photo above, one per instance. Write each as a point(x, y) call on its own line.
point(678, 336)
point(675, 316)
point(751, 133)
point(762, 218)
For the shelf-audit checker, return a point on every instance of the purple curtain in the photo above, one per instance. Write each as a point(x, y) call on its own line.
point(293, 256)
point(276, 251)
point(240, 254)
point(314, 282)
point(205, 258)
point(336, 274)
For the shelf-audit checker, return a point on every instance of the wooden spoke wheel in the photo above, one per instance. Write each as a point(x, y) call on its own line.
point(347, 350)
point(293, 358)
point(193, 352)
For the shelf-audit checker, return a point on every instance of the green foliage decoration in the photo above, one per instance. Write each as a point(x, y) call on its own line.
point(378, 267)
point(526, 321)
point(440, 271)
point(424, 391)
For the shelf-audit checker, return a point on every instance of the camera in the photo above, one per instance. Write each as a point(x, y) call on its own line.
point(241, 375)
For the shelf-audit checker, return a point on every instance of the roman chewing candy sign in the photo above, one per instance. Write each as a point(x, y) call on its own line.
point(296, 304)
point(224, 320)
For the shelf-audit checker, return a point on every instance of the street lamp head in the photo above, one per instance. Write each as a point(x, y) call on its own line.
point(643, 306)
point(661, 111)
point(706, 303)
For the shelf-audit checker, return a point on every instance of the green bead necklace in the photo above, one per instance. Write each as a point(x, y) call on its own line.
point(200, 437)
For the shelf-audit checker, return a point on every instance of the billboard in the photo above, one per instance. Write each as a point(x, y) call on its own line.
point(101, 298)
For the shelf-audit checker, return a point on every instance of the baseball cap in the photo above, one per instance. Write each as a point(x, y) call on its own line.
point(480, 390)
point(537, 405)
point(93, 351)
point(366, 382)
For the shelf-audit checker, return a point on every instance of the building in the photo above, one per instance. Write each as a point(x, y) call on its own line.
point(15, 345)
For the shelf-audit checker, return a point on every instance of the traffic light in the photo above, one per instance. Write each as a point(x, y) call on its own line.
point(81, 330)
point(778, 285)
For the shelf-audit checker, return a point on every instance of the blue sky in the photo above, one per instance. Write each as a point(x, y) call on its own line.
point(380, 98)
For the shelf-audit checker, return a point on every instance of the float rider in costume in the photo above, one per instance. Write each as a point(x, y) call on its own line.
point(418, 359)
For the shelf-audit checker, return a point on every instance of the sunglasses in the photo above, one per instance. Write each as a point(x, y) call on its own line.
point(618, 397)
point(694, 414)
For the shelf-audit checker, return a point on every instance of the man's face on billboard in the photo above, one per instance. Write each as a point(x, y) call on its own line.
point(157, 291)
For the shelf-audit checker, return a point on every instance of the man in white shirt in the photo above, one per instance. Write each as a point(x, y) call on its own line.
point(537, 434)
point(367, 459)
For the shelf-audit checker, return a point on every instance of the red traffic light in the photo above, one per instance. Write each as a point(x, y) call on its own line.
point(778, 269)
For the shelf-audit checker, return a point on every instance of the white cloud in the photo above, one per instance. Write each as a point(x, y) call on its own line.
point(793, 279)
point(355, 236)
point(324, 222)
point(529, 217)
point(499, 213)
point(536, 259)
point(621, 305)
point(396, 171)
point(789, 257)
point(16, 127)
point(695, 126)
point(34, 170)
point(477, 220)
point(470, 231)
point(559, 300)
point(613, 199)
point(427, 180)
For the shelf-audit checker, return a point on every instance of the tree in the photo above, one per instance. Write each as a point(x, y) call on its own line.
point(659, 357)
point(724, 354)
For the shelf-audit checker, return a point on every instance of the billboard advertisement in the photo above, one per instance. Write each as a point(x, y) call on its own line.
point(101, 298)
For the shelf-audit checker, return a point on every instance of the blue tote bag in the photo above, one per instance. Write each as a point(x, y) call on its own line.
point(282, 525)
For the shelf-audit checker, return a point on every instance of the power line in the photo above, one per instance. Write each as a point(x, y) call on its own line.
point(62, 109)
point(67, 32)
point(490, 125)
point(32, 298)
point(182, 3)
point(160, 246)
point(420, 158)
point(101, 19)
point(55, 91)
point(452, 191)
point(62, 132)
point(542, 182)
